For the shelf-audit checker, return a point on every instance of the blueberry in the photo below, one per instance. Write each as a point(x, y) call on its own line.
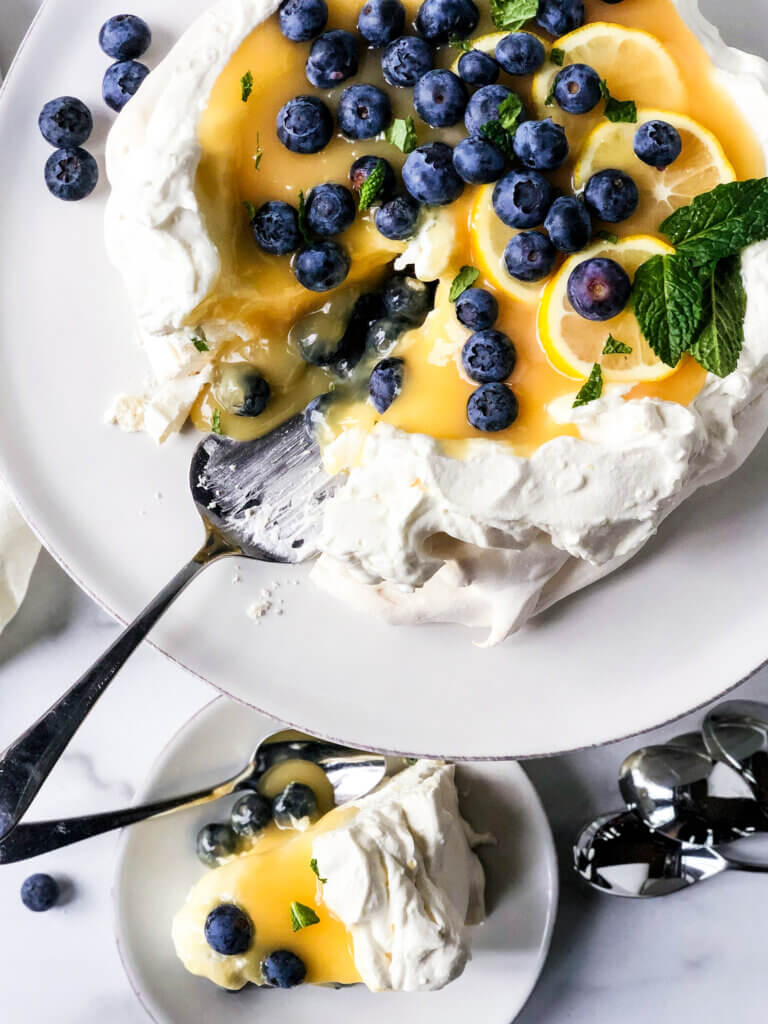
point(477, 161)
point(125, 37)
point(611, 195)
point(488, 356)
point(384, 334)
point(520, 53)
point(275, 226)
point(429, 176)
point(522, 199)
point(439, 20)
point(492, 407)
point(568, 224)
point(381, 21)
point(484, 107)
point(364, 111)
point(321, 266)
point(477, 309)
point(304, 125)
point(71, 174)
point(386, 383)
point(408, 298)
point(405, 60)
point(214, 842)
point(362, 168)
point(599, 289)
point(440, 98)
point(560, 16)
point(241, 390)
point(302, 20)
point(65, 122)
point(330, 210)
point(397, 218)
point(529, 256)
point(283, 969)
point(541, 145)
point(39, 892)
point(251, 814)
point(122, 81)
point(478, 68)
point(228, 930)
point(332, 59)
point(334, 335)
point(295, 806)
point(578, 89)
point(658, 144)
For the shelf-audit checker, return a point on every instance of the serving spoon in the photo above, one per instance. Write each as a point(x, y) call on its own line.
point(262, 500)
point(736, 733)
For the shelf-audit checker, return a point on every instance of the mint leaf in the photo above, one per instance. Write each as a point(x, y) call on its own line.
point(511, 15)
point(591, 389)
point(501, 131)
point(465, 278)
point(498, 135)
point(550, 100)
point(250, 209)
point(258, 154)
point(509, 111)
point(719, 345)
point(313, 865)
point(668, 299)
point(200, 343)
point(402, 133)
point(606, 236)
point(557, 56)
point(302, 916)
point(459, 44)
point(621, 111)
point(216, 422)
point(246, 84)
point(372, 186)
point(303, 226)
point(720, 223)
point(614, 347)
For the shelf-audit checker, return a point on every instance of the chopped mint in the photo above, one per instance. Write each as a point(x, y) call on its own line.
point(668, 300)
point(510, 15)
point(258, 154)
point(591, 389)
point(618, 111)
point(606, 236)
point(501, 131)
point(459, 44)
point(719, 345)
point(550, 100)
point(372, 186)
point(201, 344)
point(246, 84)
point(250, 209)
point(302, 916)
point(402, 133)
point(498, 135)
point(303, 226)
point(509, 111)
point(465, 278)
point(313, 865)
point(216, 422)
point(557, 56)
point(614, 347)
point(720, 223)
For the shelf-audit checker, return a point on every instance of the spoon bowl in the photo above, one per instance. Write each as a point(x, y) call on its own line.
point(736, 734)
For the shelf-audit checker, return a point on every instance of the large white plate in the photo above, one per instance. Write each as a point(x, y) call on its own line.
point(157, 866)
point(674, 629)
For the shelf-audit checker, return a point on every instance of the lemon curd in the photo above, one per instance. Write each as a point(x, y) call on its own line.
point(243, 162)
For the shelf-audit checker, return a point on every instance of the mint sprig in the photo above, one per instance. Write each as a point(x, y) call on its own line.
point(618, 111)
point(614, 347)
point(459, 44)
point(719, 345)
point(591, 389)
point(501, 130)
point(557, 56)
point(246, 86)
point(316, 870)
point(402, 133)
point(720, 223)
point(465, 278)
point(668, 300)
point(510, 15)
point(371, 188)
point(302, 916)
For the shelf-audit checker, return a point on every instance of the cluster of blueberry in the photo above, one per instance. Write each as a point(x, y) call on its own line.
point(124, 38)
point(488, 357)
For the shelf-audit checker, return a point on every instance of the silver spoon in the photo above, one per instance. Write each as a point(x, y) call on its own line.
point(617, 854)
point(262, 500)
point(736, 733)
point(351, 773)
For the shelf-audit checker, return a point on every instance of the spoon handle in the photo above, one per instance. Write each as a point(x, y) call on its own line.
point(27, 762)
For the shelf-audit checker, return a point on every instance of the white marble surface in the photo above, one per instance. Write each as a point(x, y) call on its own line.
point(695, 956)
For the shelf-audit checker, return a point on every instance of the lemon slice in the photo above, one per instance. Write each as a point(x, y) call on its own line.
point(488, 44)
point(573, 345)
point(488, 238)
point(700, 167)
point(634, 64)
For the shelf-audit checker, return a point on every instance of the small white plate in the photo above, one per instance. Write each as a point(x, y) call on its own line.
point(157, 866)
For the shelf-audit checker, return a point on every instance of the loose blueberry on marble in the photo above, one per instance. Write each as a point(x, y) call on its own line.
point(364, 111)
point(492, 407)
point(251, 814)
point(541, 145)
point(304, 125)
point(611, 195)
point(296, 803)
point(478, 68)
point(429, 175)
point(39, 892)
point(405, 60)
point(484, 107)
point(488, 356)
point(599, 289)
point(381, 21)
point(302, 20)
point(658, 144)
point(228, 930)
point(332, 59)
point(408, 298)
point(330, 210)
point(214, 842)
point(275, 227)
point(568, 224)
point(122, 81)
point(522, 199)
point(578, 89)
point(125, 37)
point(560, 16)
point(65, 122)
point(439, 20)
point(529, 256)
point(397, 218)
point(321, 266)
point(520, 53)
point(477, 161)
point(385, 333)
point(283, 969)
point(477, 309)
point(71, 174)
point(385, 383)
point(440, 98)
point(362, 168)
